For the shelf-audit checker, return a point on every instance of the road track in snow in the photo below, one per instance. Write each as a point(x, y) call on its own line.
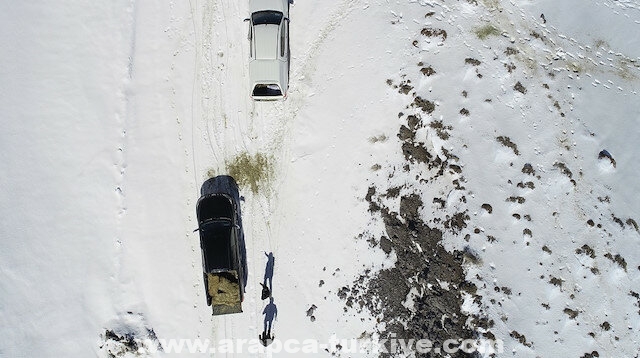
point(226, 122)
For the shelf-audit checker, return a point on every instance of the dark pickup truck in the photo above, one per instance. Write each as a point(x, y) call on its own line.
point(224, 261)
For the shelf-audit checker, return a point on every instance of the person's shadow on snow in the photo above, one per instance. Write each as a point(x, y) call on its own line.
point(268, 271)
point(270, 313)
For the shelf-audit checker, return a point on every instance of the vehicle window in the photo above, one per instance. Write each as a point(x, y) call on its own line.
point(250, 36)
point(215, 224)
point(266, 17)
point(267, 90)
point(283, 39)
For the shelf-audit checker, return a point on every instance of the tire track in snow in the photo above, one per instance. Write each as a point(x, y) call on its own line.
point(300, 86)
point(197, 44)
point(274, 121)
point(300, 79)
point(210, 110)
point(208, 104)
point(180, 20)
point(228, 131)
point(245, 139)
point(207, 111)
point(227, 114)
point(335, 20)
point(218, 128)
point(216, 124)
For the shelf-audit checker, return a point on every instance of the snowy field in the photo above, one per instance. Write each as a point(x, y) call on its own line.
point(440, 170)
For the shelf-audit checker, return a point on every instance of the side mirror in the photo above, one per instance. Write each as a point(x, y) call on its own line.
point(247, 19)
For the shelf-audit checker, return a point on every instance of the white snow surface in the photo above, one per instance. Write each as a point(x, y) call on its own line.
point(114, 113)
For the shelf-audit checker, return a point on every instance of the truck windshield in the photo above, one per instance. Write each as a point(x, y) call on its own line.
point(267, 18)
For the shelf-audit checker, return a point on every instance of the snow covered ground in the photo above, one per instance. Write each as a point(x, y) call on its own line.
point(438, 167)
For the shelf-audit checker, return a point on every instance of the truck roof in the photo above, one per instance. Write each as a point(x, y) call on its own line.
point(266, 41)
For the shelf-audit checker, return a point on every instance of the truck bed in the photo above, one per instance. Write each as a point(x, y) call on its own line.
point(224, 290)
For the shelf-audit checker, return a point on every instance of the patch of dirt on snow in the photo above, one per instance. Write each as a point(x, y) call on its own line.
point(506, 141)
point(424, 265)
point(252, 171)
point(423, 294)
